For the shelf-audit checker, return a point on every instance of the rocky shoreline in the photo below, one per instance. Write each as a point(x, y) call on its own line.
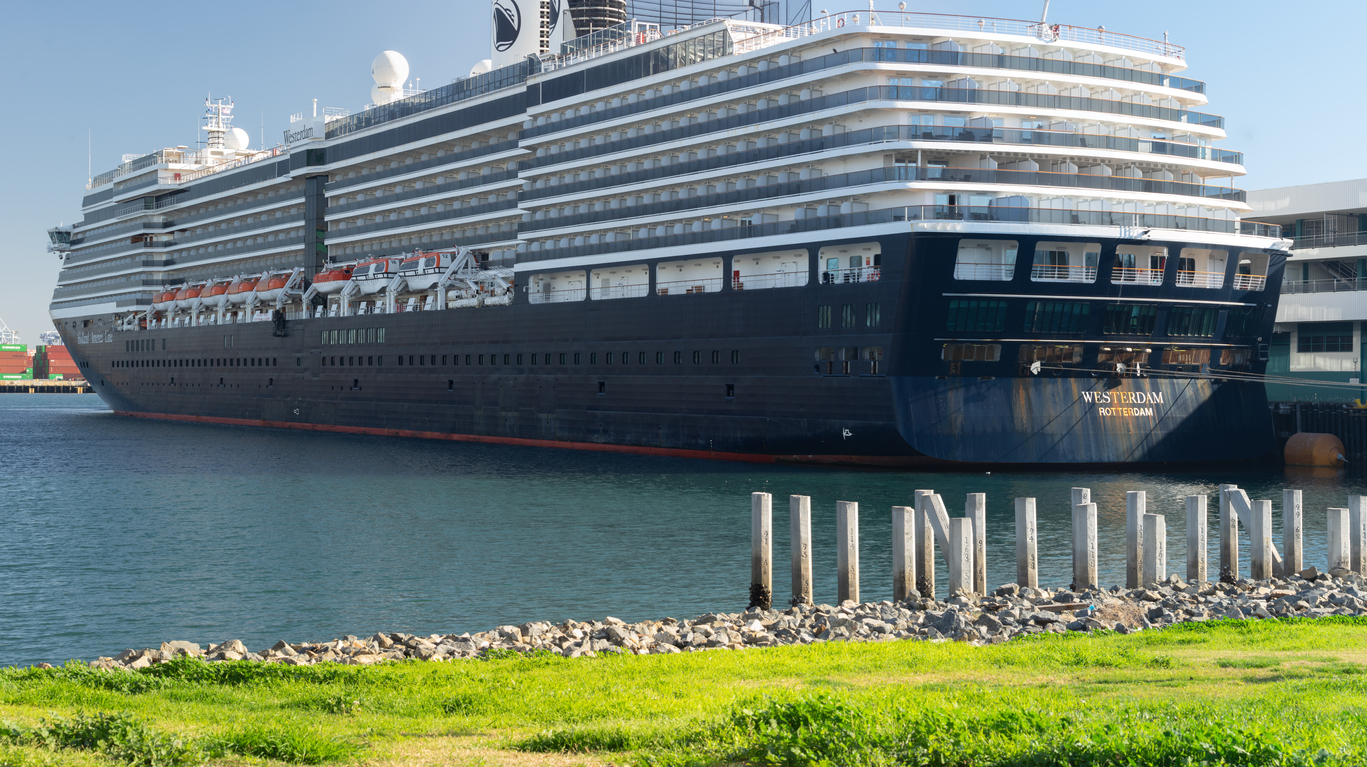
point(1009, 612)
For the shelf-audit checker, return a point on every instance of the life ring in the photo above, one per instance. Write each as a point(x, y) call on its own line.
point(840, 22)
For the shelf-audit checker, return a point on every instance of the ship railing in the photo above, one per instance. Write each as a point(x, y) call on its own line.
point(1048, 33)
point(1136, 275)
point(767, 281)
point(1324, 286)
point(993, 272)
point(619, 291)
point(1062, 273)
point(689, 287)
point(1250, 281)
point(850, 275)
point(1193, 279)
point(564, 295)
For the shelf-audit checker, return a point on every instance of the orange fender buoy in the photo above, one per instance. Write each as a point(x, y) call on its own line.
point(1309, 449)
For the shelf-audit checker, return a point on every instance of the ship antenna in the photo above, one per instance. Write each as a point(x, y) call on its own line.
point(218, 118)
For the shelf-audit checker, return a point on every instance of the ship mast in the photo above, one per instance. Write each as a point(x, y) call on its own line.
point(218, 118)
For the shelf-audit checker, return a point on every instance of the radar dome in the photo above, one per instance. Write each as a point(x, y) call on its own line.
point(389, 68)
point(381, 95)
point(487, 65)
point(236, 140)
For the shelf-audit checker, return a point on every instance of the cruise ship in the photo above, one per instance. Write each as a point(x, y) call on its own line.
point(871, 237)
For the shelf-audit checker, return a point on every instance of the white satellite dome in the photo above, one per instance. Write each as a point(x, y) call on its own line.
point(236, 140)
point(389, 68)
point(381, 95)
point(487, 65)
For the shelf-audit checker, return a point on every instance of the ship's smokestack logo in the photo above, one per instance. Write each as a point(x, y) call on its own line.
point(554, 7)
point(507, 24)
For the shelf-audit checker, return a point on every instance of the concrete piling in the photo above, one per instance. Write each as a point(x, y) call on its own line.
point(975, 508)
point(1082, 495)
point(1196, 538)
point(761, 551)
point(1293, 559)
point(1229, 536)
point(1357, 534)
point(903, 552)
point(847, 553)
point(800, 526)
point(1338, 539)
point(1135, 508)
point(1085, 555)
point(1260, 541)
point(1155, 555)
point(925, 545)
point(1027, 560)
point(960, 554)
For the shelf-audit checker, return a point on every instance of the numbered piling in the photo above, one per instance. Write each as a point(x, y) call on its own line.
point(1027, 561)
point(1135, 508)
point(800, 526)
point(847, 556)
point(960, 555)
point(1260, 541)
point(1196, 538)
point(975, 508)
point(1293, 557)
point(1155, 554)
point(761, 551)
point(925, 545)
point(903, 552)
point(1084, 546)
point(1338, 540)
point(1229, 536)
point(1357, 534)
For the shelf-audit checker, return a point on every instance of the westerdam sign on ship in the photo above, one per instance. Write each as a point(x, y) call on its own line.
point(871, 237)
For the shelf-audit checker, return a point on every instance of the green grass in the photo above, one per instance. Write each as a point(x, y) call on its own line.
point(1228, 692)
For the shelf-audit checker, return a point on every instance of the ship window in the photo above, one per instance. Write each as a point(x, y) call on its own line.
point(505, 359)
point(593, 358)
point(351, 360)
point(1129, 319)
point(351, 336)
point(735, 356)
point(1050, 353)
point(716, 358)
point(1123, 356)
point(1065, 262)
point(1057, 317)
point(379, 335)
point(450, 385)
point(519, 359)
point(993, 260)
point(659, 358)
point(823, 317)
point(1252, 271)
point(370, 360)
point(1175, 356)
point(332, 337)
point(577, 358)
point(678, 358)
point(1244, 322)
point(379, 361)
point(825, 358)
point(1192, 321)
point(847, 315)
point(481, 359)
point(697, 358)
point(1140, 264)
point(971, 352)
point(626, 358)
point(422, 359)
point(1324, 337)
point(730, 391)
point(561, 358)
point(467, 359)
point(874, 356)
point(1236, 357)
point(641, 358)
point(976, 315)
point(873, 314)
point(443, 360)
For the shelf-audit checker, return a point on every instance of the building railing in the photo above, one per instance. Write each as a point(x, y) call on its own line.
point(1136, 275)
point(1324, 286)
point(1194, 279)
point(1250, 281)
point(564, 295)
point(619, 291)
point(1062, 273)
point(688, 287)
point(1331, 240)
point(767, 281)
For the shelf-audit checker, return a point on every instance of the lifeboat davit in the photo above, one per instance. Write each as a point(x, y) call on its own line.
point(422, 271)
point(332, 280)
point(185, 297)
point(275, 285)
point(373, 276)
point(164, 301)
point(212, 295)
point(237, 294)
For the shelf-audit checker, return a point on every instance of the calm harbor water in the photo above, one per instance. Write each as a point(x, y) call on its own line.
point(119, 532)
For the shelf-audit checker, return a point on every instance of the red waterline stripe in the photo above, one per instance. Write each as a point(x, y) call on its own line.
point(631, 449)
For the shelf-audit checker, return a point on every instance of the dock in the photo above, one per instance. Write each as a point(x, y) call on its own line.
point(45, 387)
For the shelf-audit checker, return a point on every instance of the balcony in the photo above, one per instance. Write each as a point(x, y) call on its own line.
point(1250, 281)
point(850, 276)
point(773, 280)
point(619, 291)
point(1062, 273)
point(565, 295)
point(689, 287)
point(1194, 279)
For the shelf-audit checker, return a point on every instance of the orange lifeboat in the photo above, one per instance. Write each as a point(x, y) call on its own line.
point(164, 300)
point(237, 294)
point(185, 297)
point(270, 287)
point(332, 280)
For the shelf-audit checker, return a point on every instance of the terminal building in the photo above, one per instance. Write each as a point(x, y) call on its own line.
point(1319, 333)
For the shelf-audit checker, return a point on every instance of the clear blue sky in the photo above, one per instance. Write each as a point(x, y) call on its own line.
point(135, 74)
